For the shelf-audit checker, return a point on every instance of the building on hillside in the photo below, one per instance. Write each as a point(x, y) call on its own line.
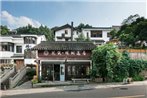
point(98, 35)
point(13, 48)
point(65, 33)
point(61, 61)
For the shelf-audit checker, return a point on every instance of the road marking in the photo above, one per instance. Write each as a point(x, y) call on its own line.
point(136, 96)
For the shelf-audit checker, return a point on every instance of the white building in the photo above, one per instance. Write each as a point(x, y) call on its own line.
point(99, 35)
point(65, 33)
point(13, 48)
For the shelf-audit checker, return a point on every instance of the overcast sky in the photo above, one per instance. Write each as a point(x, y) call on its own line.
point(56, 13)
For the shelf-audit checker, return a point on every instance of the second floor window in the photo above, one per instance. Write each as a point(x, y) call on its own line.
point(96, 33)
point(18, 49)
point(66, 32)
point(108, 35)
point(6, 46)
point(30, 40)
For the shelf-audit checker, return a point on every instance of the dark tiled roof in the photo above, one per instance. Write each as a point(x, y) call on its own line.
point(62, 45)
point(99, 28)
point(62, 27)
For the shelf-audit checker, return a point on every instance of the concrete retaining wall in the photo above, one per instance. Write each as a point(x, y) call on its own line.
point(20, 74)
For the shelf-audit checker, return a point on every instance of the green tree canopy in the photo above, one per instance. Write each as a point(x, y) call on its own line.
point(81, 37)
point(4, 30)
point(105, 58)
point(133, 30)
point(32, 30)
point(81, 25)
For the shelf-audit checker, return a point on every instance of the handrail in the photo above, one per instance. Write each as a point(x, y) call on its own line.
point(18, 73)
point(7, 74)
point(14, 80)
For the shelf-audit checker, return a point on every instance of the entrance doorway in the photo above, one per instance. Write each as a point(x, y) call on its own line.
point(57, 72)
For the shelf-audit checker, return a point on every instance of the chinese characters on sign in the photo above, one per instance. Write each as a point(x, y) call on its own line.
point(78, 53)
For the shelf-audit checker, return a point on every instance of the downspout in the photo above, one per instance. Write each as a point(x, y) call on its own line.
point(71, 31)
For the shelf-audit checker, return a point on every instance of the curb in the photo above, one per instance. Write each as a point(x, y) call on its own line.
point(66, 88)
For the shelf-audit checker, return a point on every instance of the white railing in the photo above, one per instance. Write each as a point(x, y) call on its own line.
point(20, 74)
point(6, 74)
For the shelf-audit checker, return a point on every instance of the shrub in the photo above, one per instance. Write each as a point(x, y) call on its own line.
point(34, 81)
point(129, 68)
point(136, 66)
point(30, 73)
point(138, 78)
point(93, 72)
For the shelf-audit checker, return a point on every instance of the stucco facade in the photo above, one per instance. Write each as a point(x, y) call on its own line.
point(12, 48)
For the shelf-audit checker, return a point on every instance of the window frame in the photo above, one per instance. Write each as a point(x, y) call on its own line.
point(97, 33)
point(18, 50)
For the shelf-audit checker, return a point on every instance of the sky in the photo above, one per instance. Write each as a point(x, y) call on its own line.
point(98, 13)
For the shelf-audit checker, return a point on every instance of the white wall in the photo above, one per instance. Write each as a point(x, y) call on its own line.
point(60, 32)
point(29, 61)
point(18, 42)
point(6, 39)
point(104, 34)
point(75, 35)
point(6, 54)
point(41, 38)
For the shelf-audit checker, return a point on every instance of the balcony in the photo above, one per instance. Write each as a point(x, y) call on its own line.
point(6, 54)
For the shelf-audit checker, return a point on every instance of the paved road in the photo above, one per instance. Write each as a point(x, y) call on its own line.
point(139, 91)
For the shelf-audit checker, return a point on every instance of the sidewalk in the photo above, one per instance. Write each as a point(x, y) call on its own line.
point(68, 88)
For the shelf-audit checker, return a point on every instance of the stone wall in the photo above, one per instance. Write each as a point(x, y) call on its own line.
point(136, 53)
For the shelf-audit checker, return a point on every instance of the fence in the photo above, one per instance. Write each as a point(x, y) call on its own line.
point(20, 74)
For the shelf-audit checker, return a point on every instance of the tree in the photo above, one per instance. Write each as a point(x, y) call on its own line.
point(105, 59)
point(113, 34)
point(47, 32)
point(4, 30)
point(128, 67)
point(140, 31)
point(130, 19)
point(81, 25)
point(133, 30)
point(81, 37)
point(27, 30)
point(32, 30)
point(121, 69)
